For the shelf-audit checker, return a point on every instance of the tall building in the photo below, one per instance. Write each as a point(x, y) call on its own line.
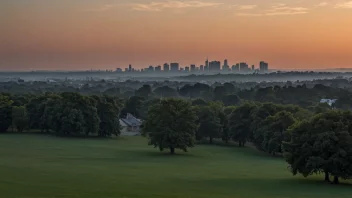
point(158, 68)
point(225, 67)
point(150, 69)
point(193, 68)
point(252, 67)
point(215, 66)
point(236, 68)
point(206, 68)
point(201, 68)
point(186, 69)
point(263, 66)
point(166, 67)
point(244, 67)
point(175, 67)
point(207, 63)
point(130, 68)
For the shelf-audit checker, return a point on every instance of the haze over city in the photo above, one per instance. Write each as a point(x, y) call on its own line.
point(106, 34)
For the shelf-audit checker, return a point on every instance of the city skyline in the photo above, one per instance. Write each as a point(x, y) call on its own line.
point(208, 67)
point(106, 34)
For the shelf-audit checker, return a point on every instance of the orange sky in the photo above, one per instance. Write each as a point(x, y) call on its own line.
point(105, 34)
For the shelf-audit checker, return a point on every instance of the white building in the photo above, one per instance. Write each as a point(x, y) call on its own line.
point(330, 102)
point(130, 125)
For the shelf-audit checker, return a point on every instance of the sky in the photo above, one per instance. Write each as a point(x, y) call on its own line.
point(106, 34)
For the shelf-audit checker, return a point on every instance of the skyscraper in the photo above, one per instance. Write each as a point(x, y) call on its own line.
point(158, 68)
point(226, 67)
point(236, 68)
point(244, 67)
point(215, 66)
point(207, 63)
point(166, 67)
point(252, 67)
point(174, 67)
point(201, 68)
point(130, 68)
point(186, 69)
point(193, 68)
point(263, 66)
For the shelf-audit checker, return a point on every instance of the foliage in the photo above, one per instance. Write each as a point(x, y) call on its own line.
point(5, 112)
point(171, 124)
point(19, 118)
point(210, 125)
point(321, 144)
point(240, 123)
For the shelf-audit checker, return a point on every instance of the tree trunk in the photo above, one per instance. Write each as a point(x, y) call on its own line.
point(336, 180)
point(172, 150)
point(210, 140)
point(327, 176)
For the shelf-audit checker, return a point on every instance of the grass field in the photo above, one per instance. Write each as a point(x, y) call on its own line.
point(37, 166)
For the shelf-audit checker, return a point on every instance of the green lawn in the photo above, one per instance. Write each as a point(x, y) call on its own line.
point(38, 166)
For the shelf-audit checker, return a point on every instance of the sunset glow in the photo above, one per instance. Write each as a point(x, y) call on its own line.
point(105, 34)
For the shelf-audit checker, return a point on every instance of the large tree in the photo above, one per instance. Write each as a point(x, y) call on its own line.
point(5, 112)
point(275, 131)
point(322, 144)
point(210, 125)
point(170, 125)
point(19, 118)
point(239, 123)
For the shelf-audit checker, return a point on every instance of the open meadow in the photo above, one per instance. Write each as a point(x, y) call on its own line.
point(40, 166)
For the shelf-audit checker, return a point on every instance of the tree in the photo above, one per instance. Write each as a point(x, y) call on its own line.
point(132, 106)
point(5, 112)
point(276, 131)
point(240, 123)
point(145, 91)
point(171, 124)
point(322, 144)
point(108, 116)
point(231, 100)
point(19, 118)
point(209, 123)
point(165, 92)
point(219, 93)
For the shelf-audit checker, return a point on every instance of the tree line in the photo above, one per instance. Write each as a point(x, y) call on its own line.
point(67, 114)
point(304, 94)
point(310, 142)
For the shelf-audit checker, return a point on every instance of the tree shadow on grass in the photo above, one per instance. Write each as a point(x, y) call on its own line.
point(162, 154)
point(274, 187)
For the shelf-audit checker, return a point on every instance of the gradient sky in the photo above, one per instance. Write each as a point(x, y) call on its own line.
point(105, 34)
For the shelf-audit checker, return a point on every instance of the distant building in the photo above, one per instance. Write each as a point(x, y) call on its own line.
point(330, 102)
point(118, 70)
point(130, 125)
point(158, 68)
point(166, 67)
point(207, 63)
point(201, 68)
point(175, 67)
point(186, 69)
point(263, 66)
point(193, 68)
point(215, 66)
point(225, 67)
point(244, 67)
point(253, 68)
point(236, 68)
point(150, 69)
point(206, 68)
point(130, 68)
